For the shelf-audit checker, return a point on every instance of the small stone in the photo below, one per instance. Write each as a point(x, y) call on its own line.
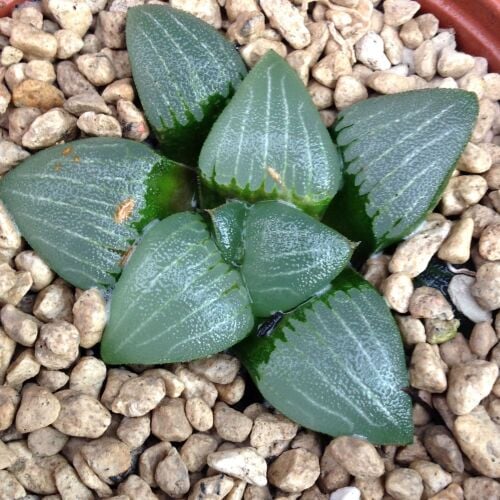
point(413, 255)
point(14, 75)
point(427, 302)
point(89, 477)
point(110, 29)
point(456, 248)
point(247, 27)
point(40, 70)
point(69, 43)
point(57, 345)
point(397, 290)
point(460, 292)
point(119, 90)
point(88, 376)
point(19, 121)
point(428, 24)
point(7, 349)
point(348, 91)
point(195, 450)
point(107, 457)
point(37, 94)
point(172, 475)
point(53, 380)
point(230, 424)
point(133, 122)
point(138, 396)
point(426, 60)
point(404, 484)
point(40, 272)
point(486, 288)
point(11, 488)
point(370, 52)
point(24, 367)
point(199, 414)
point(207, 10)
point(434, 477)
point(439, 331)
point(287, 19)
point(398, 12)
point(32, 41)
point(169, 422)
point(71, 81)
point(426, 369)
point(136, 488)
point(489, 243)
point(469, 383)
point(233, 392)
point(13, 286)
point(474, 159)
point(357, 456)
point(454, 64)
point(248, 465)
point(73, 15)
point(236, 7)
point(69, 485)
point(462, 192)
point(9, 401)
point(479, 488)
point(212, 488)
point(99, 125)
point(443, 449)
point(51, 127)
point(347, 493)
point(482, 339)
point(97, 68)
point(115, 379)
point(46, 442)
point(252, 52)
point(21, 327)
point(10, 155)
point(10, 55)
point(492, 82)
point(485, 120)
point(38, 409)
point(411, 35)
point(294, 471)
point(408, 454)
point(81, 415)
point(149, 460)
point(134, 431)
point(88, 101)
point(479, 439)
point(271, 432)
point(196, 386)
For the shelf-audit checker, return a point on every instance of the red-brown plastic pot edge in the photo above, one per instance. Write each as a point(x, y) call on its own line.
point(476, 22)
point(6, 6)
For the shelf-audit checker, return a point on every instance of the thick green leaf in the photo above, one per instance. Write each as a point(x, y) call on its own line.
point(228, 223)
point(289, 256)
point(270, 143)
point(177, 300)
point(399, 151)
point(81, 205)
point(184, 71)
point(336, 365)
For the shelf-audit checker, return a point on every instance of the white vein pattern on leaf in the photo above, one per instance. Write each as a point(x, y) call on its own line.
point(407, 186)
point(403, 139)
point(208, 50)
point(244, 119)
point(192, 74)
point(286, 128)
point(329, 388)
point(301, 270)
point(101, 275)
point(267, 115)
point(350, 375)
point(194, 312)
point(222, 145)
point(308, 149)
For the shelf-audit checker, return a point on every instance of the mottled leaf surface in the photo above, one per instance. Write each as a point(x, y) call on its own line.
point(81, 205)
point(184, 72)
point(270, 143)
point(399, 151)
point(336, 365)
point(177, 300)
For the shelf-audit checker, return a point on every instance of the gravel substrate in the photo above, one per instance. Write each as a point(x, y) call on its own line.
point(74, 429)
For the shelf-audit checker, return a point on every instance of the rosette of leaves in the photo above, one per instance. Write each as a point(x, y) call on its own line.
point(188, 281)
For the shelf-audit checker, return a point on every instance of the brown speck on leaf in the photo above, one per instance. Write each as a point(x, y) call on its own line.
point(275, 176)
point(126, 256)
point(57, 167)
point(124, 210)
point(76, 159)
point(67, 151)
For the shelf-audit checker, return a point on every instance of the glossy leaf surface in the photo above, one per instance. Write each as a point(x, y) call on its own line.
point(177, 300)
point(270, 143)
point(336, 365)
point(184, 71)
point(289, 256)
point(399, 152)
point(80, 206)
